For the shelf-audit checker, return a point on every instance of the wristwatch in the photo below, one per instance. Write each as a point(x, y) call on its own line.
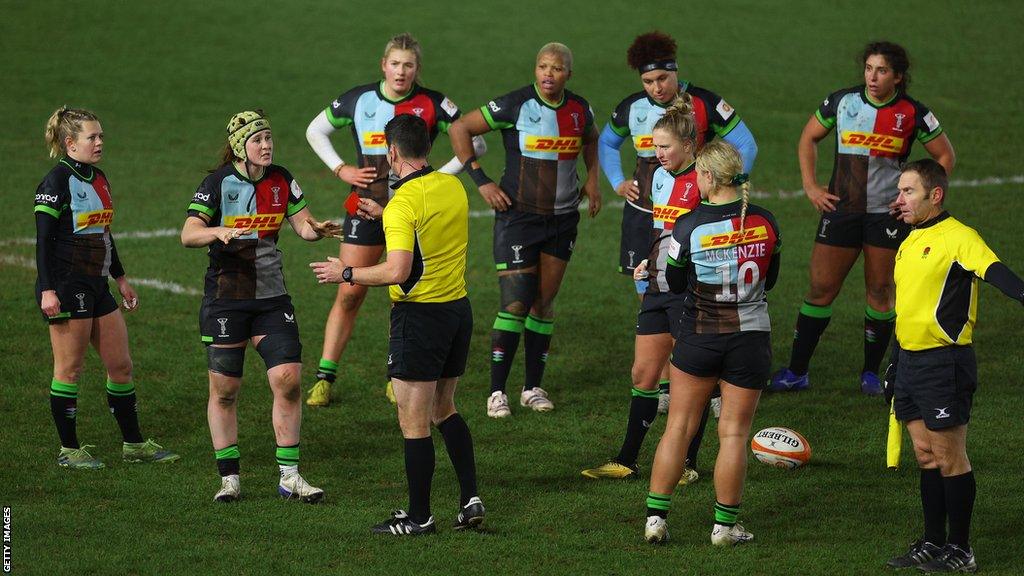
point(346, 275)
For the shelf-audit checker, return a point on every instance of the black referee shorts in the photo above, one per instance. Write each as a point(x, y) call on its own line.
point(429, 340)
point(936, 386)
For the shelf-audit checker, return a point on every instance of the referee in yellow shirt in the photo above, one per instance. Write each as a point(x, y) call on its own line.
point(937, 272)
point(426, 232)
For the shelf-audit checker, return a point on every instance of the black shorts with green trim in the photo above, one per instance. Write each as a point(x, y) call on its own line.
point(742, 359)
point(521, 237)
point(80, 297)
point(363, 232)
point(226, 321)
point(851, 230)
point(660, 313)
point(637, 235)
point(936, 386)
point(429, 340)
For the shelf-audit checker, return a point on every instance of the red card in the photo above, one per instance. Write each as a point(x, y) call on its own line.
point(352, 203)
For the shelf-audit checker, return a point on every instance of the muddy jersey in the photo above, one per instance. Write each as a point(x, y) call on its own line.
point(672, 195)
point(872, 142)
point(726, 267)
point(542, 142)
point(637, 114)
point(368, 110)
point(250, 266)
point(78, 196)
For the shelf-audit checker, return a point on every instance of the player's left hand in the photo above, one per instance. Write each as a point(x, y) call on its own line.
point(328, 272)
point(325, 229)
point(129, 299)
point(369, 209)
point(593, 200)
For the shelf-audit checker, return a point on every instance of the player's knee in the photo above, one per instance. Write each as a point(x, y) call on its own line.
point(923, 454)
point(277, 349)
point(226, 361)
point(70, 373)
point(880, 295)
point(121, 370)
point(350, 301)
point(518, 292)
point(822, 293)
point(226, 398)
point(645, 376)
point(543, 308)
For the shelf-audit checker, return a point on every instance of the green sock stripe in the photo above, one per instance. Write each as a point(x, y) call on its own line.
point(645, 393)
point(328, 366)
point(115, 389)
point(509, 323)
point(229, 452)
point(876, 315)
point(726, 514)
point(659, 501)
point(63, 389)
point(540, 325)
point(288, 455)
point(813, 311)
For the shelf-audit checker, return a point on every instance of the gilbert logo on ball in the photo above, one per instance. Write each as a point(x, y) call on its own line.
point(781, 447)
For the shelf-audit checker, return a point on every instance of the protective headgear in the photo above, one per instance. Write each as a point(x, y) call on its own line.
point(241, 127)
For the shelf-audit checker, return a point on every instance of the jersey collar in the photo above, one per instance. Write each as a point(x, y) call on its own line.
point(683, 171)
point(79, 168)
point(545, 102)
point(383, 96)
point(683, 85)
point(942, 216)
point(412, 176)
point(872, 103)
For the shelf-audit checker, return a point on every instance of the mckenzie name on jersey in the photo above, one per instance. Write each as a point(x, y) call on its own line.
point(872, 142)
point(542, 142)
point(726, 267)
point(368, 110)
point(78, 196)
point(637, 114)
point(250, 266)
point(672, 196)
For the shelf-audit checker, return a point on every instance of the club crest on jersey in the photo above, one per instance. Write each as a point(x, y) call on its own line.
point(223, 326)
point(374, 139)
point(927, 251)
point(575, 121)
point(268, 222)
point(276, 191)
point(553, 144)
point(352, 233)
point(81, 301)
point(417, 111)
point(899, 121)
point(94, 218)
point(736, 238)
point(871, 141)
point(517, 259)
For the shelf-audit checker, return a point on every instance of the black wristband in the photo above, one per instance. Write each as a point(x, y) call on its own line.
point(346, 275)
point(477, 174)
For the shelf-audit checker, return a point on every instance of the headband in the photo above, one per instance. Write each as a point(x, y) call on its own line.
point(669, 65)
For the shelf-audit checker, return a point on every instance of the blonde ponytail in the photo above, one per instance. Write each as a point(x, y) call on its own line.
point(724, 163)
point(64, 123)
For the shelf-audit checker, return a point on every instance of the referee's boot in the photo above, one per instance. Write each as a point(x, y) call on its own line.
point(471, 515)
point(952, 559)
point(401, 525)
point(920, 552)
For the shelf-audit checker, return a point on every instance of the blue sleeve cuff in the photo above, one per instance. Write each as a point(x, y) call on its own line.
point(743, 140)
point(608, 155)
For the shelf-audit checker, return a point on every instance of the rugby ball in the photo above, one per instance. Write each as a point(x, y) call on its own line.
point(781, 447)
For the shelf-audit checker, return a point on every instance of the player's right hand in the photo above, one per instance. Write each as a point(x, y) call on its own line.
point(640, 272)
point(355, 176)
point(50, 304)
point(820, 198)
point(226, 234)
point(629, 189)
point(495, 197)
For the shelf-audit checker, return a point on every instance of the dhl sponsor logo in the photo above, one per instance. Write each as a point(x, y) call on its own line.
point(734, 238)
point(666, 213)
point(644, 143)
point(879, 142)
point(256, 222)
point(95, 218)
point(553, 143)
point(374, 139)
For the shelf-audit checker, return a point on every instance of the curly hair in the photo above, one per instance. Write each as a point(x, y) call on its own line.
point(650, 47)
point(895, 56)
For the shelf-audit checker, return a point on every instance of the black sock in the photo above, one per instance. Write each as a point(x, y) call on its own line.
point(64, 407)
point(459, 444)
point(227, 460)
point(643, 409)
point(504, 342)
point(878, 327)
point(810, 324)
point(419, 472)
point(121, 399)
point(933, 502)
point(960, 492)
point(536, 341)
point(694, 449)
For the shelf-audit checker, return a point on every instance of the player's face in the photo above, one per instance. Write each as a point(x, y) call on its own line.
point(87, 146)
point(400, 68)
point(551, 76)
point(880, 78)
point(915, 203)
point(260, 148)
point(672, 153)
point(661, 85)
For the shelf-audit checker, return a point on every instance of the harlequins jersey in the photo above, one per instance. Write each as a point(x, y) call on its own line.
point(872, 142)
point(673, 195)
point(78, 196)
point(542, 141)
point(368, 110)
point(250, 266)
point(637, 114)
point(726, 267)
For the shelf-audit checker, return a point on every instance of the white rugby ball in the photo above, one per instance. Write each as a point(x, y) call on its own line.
point(781, 447)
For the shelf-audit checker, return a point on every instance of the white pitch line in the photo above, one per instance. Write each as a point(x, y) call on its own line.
point(173, 288)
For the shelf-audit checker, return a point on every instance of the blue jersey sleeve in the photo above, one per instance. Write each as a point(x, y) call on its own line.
point(743, 140)
point(608, 155)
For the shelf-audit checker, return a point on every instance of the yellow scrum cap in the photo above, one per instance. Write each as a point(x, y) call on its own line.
point(242, 126)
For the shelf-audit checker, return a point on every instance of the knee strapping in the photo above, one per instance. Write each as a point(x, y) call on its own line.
point(279, 349)
point(518, 292)
point(226, 361)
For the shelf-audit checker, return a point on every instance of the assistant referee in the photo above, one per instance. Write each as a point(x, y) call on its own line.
point(936, 274)
point(426, 232)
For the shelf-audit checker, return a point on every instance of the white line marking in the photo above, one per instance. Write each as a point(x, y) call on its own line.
point(173, 288)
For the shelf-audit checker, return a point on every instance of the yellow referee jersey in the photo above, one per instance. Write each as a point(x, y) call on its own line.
point(429, 216)
point(937, 272)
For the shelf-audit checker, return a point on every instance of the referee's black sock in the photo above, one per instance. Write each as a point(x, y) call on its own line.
point(121, 399)
point(459, 444)
point(64, 407)
point(504, 342)
point(960, 492)
point(537, 339)
point(878, 327)
point(933, 502)
point(694, 449)
point(643, 409)
point(419, 472)
point(810, 324)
